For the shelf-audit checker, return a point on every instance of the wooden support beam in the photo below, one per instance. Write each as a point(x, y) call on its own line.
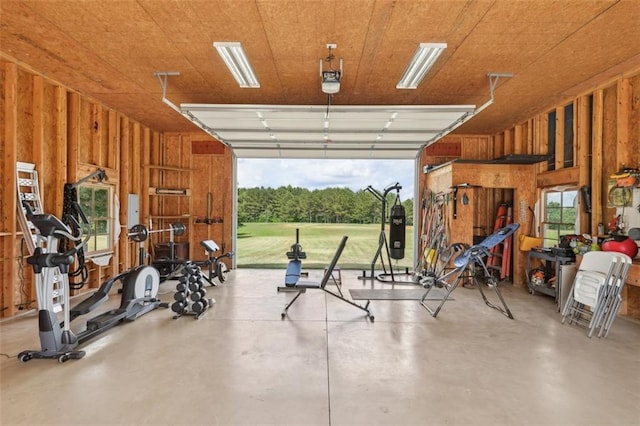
point(8, 204)
point(125, 189)
point(568, 175)
point(136, 159)
point(623, 144)
point(518, 139)
point(96, 134)
point(112, 161)
point(498, 145)
point(38, 120)
point(73, 150)
point(531, 135)
point(609, 149)
point(598, 189)
point(62, 174)
point(543, 141)
point(508, 142)
point(146, 174)
point(559, 151)
point(113, 141)
point(582, 153)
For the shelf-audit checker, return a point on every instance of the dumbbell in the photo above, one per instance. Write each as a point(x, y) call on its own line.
point(191, 268)
point(178, 307)
point(198, 295)
point(180, 296)
point(200, 306)
point(195, 286)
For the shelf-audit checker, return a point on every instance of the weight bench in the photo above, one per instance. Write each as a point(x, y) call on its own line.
point(294, 270)
point(299, 286)
point(216, 268)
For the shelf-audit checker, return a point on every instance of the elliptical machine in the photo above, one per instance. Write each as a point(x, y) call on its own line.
point(52, 289)
point(57, 340)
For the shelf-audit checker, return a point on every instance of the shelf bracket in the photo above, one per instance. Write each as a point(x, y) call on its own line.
point(493, 81)
point(163, 77)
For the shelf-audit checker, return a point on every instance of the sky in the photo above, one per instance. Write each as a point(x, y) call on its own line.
point(318, 174)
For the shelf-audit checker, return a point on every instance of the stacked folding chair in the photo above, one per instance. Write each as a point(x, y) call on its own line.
point(596, 294)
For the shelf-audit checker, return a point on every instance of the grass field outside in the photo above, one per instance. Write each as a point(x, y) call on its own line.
point(264, 245)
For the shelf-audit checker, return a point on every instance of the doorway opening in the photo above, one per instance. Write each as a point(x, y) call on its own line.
point(325, 199)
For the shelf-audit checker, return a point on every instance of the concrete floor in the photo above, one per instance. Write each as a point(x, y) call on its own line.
point(326, 364)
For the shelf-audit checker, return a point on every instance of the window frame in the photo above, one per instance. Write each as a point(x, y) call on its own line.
point(567, 225)
point(90, 249)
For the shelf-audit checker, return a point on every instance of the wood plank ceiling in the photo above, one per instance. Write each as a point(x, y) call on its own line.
point(110, 51)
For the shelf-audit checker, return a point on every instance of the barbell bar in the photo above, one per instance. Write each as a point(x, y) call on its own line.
point(140, 233)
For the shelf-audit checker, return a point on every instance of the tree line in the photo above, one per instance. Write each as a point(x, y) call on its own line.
point(328, 205)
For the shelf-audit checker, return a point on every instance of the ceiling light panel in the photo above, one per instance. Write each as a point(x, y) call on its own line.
point(423, 59)
point(236, 60)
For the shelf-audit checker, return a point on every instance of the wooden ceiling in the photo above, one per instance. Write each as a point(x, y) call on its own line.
point(110, 51)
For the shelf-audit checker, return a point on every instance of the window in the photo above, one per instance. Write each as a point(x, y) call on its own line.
point(568, 136)
point(95, 203)
point(565, 145)
point(551, 141)
point(560, 214)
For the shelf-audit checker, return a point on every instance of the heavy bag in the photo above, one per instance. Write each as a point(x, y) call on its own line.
point(397, 222)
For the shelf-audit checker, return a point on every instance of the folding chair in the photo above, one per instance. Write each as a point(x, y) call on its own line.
point(464, 268)
point(614, 298)
point(595, 297)
point(301, 286)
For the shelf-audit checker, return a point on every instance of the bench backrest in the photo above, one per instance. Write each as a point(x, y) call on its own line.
point(334, 262)
point(210, 246)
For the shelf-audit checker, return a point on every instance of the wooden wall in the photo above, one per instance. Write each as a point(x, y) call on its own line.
point(606, 138)
point(469, 147)
point(68, 136)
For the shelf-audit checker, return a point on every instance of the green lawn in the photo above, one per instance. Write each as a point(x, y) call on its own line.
point(264, 245)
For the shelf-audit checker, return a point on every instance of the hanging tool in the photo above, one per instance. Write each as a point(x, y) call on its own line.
point(465, 198)
point(209, 219)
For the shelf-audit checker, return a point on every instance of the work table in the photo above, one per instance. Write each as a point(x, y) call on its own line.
point(631, 292)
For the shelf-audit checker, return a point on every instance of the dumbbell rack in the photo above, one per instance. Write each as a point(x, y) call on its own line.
point(190, 296)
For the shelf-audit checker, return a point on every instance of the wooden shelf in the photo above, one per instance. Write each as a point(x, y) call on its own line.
point(180, 192)
point(171, 168)
point(184, 216)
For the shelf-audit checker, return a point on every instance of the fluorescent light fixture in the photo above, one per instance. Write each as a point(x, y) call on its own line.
point(424, 58)
point(235, 59)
